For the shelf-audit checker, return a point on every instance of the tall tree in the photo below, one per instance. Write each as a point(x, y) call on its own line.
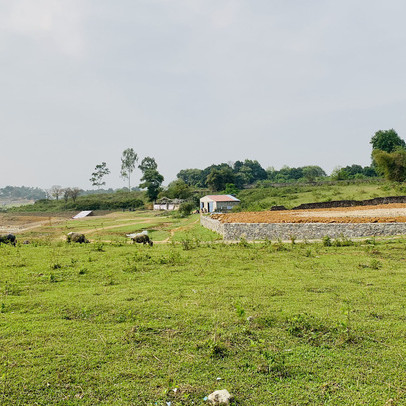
point(192, 177)
point(218, 178)
point(151, 178)
point(56, 191)
point(128, 160)
point(311, 172)
point(391, 164)
point(387, 140)
point(147, 163)
point(99, 173)
point(74, 192)
point(66, 194)
point(178, 189)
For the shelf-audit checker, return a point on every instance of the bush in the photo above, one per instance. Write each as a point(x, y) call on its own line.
point(186, 208)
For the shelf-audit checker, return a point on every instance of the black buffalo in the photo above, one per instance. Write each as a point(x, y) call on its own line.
point(8, 239)
point(76, 237)
point(142, 239)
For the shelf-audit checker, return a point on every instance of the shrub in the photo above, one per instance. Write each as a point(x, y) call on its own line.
point(326, 241)
point(186, 208)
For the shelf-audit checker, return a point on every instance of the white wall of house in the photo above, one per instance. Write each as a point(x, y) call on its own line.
point(209, 205)
point(169, 206)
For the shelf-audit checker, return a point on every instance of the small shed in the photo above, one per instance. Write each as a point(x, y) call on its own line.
point(168, 204)
point(222, 203)
point(83, 214)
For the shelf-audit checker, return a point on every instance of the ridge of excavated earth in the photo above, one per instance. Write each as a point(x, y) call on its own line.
point(386, 213)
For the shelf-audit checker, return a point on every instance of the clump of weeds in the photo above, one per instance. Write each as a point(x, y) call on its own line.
point(309, 328)
point(274, 363)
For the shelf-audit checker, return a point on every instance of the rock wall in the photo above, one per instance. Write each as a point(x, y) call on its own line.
point(213, 225)
point(284, 231)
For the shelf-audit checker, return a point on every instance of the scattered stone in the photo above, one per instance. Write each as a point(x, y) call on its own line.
point(250, 318)
point(220, 397)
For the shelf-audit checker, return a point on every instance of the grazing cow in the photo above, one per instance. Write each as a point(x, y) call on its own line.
point(8, 239)
point(76, 237)
point(142, 239)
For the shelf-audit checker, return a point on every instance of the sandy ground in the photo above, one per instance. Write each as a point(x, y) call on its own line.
point(16, 223)
point(388, 213)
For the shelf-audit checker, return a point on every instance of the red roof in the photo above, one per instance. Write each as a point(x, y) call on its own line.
point(223, 198)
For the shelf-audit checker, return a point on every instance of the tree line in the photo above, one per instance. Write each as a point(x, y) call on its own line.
point(246, 173)
point(388, 160)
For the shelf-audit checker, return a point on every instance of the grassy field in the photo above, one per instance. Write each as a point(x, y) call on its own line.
point(109, 227)
point(276, 324)
point(294, 195)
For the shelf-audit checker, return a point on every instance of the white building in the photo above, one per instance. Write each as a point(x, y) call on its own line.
point(168, 204)
point(221, 203)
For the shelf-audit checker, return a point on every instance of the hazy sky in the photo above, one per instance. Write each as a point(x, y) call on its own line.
point(195, 82)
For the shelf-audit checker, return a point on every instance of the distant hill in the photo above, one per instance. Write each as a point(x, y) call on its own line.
point(11, 196)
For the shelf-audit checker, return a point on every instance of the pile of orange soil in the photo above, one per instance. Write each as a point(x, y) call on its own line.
point(386, 213)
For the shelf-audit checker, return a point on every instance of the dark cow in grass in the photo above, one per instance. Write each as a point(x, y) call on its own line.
point(8, 239)
point(76, 237)
point(142, 239)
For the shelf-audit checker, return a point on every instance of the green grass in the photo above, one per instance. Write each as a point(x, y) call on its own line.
point(291, 196)
point(280, 324)
point(115, 226)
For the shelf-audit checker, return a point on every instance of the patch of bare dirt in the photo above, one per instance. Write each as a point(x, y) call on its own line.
point(14, 223)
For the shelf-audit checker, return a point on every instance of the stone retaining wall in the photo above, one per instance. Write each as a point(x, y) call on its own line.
point(211, 224)
point(284, 231)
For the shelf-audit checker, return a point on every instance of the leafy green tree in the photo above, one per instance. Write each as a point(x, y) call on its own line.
point(231, 189)
point(248, 172)
point(218, 178)
point(359, 172)
point(151, 179)
point(128, 160)
point(99, 173)
point(312, 172)
point(387, 140)
point(391, 164)
point(147, 163)
point(192, 177)
point(178, 189)
point(339, 174)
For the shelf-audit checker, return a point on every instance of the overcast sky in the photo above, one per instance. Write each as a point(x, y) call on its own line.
point(195, 82)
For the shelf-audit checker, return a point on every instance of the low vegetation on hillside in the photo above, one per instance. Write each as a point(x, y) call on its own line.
point(102, 201)
point(292, 196)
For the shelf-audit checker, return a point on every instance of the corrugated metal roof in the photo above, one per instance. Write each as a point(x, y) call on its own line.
point(82, 214)
point(222, 198)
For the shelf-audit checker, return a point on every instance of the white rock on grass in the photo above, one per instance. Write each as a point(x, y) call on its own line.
point(220, 397)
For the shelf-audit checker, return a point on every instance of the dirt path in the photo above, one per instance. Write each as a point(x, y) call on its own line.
point(172, 232)
point(94, 230)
